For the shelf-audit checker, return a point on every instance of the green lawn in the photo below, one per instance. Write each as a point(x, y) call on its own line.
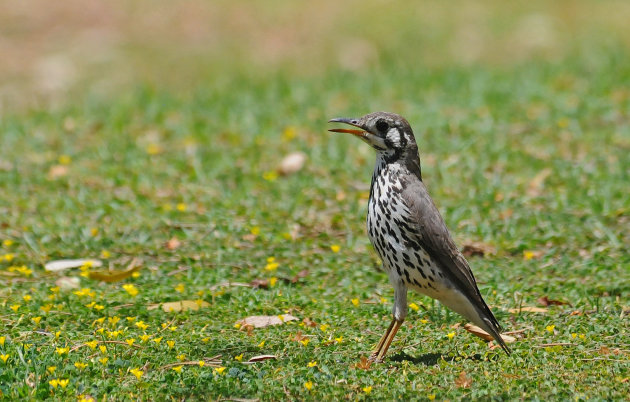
point(530, 159)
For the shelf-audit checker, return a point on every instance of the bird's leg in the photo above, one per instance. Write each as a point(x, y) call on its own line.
point(392, 333)
point(399, 314)
point(380, 344)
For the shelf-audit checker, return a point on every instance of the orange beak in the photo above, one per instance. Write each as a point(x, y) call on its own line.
point(352, 122)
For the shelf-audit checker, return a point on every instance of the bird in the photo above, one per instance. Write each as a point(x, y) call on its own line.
point(408, 232)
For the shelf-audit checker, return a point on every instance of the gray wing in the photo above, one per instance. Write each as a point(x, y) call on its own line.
point(435, 238)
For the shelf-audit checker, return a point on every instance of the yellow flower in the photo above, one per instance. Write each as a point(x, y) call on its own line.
point(178, 368)
point(261, 344)
point(130, 341)
point(92, 344)
point(181, 207)
point(62, 351)
point(339, 340)
point(2, 340)
point(141, 325)
point(335, 248)
point(355, 302)
point(550, 328)
point(27, 298)
point(145, 337)
point(272, 266)
point(272, 281)
point(181, 357)
point(239, 358)
point(158, 340)
point(574, 335)
point(64, 160)
point(220, 370)
point(80, 365)
point(289, 133)
point(131, 319)
point(131, 289)
point(51, 369)
point(153, 149)
point(113, 320)
point(201, 363)
point(8, 257)
point(15, 307)
point(305, 341)
point(528, 255)
point(414, 306)
point(103, 348)
point(94, 232)
point(451, 335)
point(7, 242)
point(431, 397)
point(55, 289)
point(4, 358)
point(113, 334)
point(54, 383)
point(64, 383)
point(105, 254)
point(424, 321)
point(36, 320)
point(367, 390)
point(582, 336)
point(270, 175)
point(255, 230)
point(57, 334)
point(180, 288)
point(206, 340)
point(237, 325)
point(312, 364)
point(170, 344)
point(46, 308)
point(103, 360)
point(308, 385)
point(84, 398)
point(323, 327)
point(137, 372)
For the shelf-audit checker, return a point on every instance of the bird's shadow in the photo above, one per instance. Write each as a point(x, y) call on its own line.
point(432, 359)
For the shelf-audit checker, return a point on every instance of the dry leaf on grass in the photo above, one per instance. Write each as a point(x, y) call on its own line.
point(463, 381)
point(475, 330)
point(292, 163)
point(57, 171)
point(262, 321)
point(60, 265)
point(68, 282)
point(534, 189)
point(181, 305)
point(261, 358)
point(172, 244)
point(472, 249)
point(116, 276)
point(545, 301)
point(528, 309)
point(364, 364)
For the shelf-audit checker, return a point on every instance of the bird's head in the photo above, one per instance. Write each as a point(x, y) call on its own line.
point(388, 133)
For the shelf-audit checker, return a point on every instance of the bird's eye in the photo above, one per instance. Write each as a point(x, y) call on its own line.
point(382, 126)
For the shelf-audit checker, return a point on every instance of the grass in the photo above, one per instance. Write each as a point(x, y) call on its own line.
point(529, 159)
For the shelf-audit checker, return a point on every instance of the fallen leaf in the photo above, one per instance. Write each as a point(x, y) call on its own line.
point(475, 330)
point(309, 323)
point(298, 337)
point(302, 274)
point(292, 163)
point(172, 244)
point(182, 305)
point(116, 276)
point(473, 249)
point(545, 301)
point(463, 381)
point(262, 321)
point(60, 265)
point(57, 171)
point(364, 364)
point(68, 282)
point(261, 358)
point(528, 309)
point(260, 283)
point(535, 185)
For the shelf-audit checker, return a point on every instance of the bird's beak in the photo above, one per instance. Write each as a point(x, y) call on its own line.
point(352, 122)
